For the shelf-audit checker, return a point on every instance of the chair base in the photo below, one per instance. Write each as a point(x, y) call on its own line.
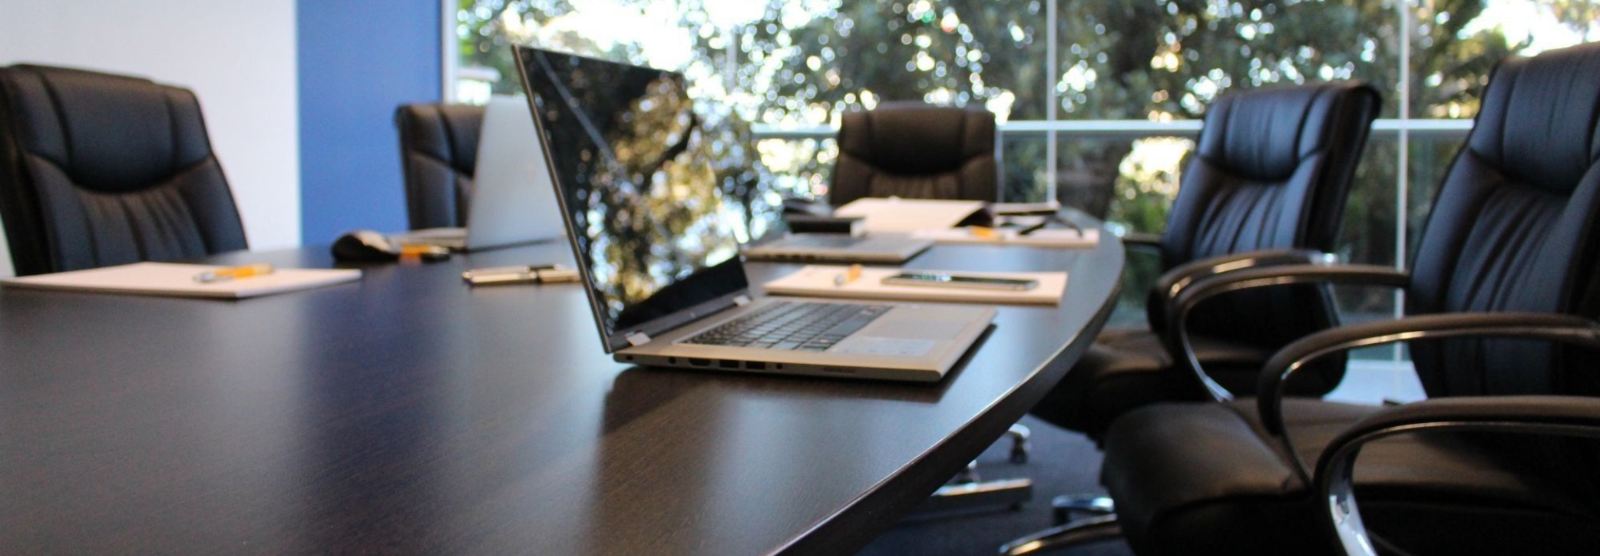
point(1007, 493)
point(967, 491)
point(1092, 504)
point(1019, 435)
point(1087, 530)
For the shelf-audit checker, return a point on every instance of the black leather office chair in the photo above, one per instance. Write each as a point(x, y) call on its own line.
point(438, 151)
point(915, 150)
point(99, 169)
point(1271, 171)
point(1514, 228)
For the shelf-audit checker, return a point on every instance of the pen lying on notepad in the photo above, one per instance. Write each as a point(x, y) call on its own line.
point(225, 274)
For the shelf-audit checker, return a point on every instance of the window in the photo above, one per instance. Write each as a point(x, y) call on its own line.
point(1098, 99)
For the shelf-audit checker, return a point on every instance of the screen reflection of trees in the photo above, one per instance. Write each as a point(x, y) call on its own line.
point(669, 186)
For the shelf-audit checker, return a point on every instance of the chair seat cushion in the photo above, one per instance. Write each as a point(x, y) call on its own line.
point(1128, 368)
point(1205, 478)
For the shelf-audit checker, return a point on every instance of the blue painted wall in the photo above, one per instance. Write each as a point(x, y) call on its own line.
point(358, 60)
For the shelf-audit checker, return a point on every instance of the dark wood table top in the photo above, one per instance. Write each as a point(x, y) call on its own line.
point(409, 413)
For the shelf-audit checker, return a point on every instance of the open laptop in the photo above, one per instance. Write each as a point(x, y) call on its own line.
point(657, 241)
point(512, 199)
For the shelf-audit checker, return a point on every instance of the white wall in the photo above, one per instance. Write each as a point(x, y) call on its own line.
point(238, 56)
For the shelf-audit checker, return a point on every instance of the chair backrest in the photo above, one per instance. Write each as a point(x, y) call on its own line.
point(438, 151)
point(915, 150)
point(1513, 228)
point(99, 169)
point(1271, 169)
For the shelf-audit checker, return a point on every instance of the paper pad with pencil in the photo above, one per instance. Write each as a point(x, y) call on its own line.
point(869, 283)
point(187, 280)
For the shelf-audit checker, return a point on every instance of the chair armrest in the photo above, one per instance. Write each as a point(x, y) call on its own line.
point(1293, 357)
point(1176, 335)
point(1169, 285)
point(1570, 416)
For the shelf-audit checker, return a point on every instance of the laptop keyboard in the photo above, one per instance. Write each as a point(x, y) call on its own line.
point(791, 325)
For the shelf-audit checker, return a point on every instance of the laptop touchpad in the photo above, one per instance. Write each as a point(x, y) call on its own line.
point(929, 329)
point(875, 345)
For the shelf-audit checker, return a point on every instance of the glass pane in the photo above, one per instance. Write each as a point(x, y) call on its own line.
point(1431, 155)
point(1022, 167)
point(487, 28)
point(1144, 181)
point(1455, 45)
point(1167, 60)
point(1367, 236)
point(800, 168)
point(808, 61)
point(776, 62)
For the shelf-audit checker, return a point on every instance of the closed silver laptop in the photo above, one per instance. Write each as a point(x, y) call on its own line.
point(512, 200)
point(657, 238)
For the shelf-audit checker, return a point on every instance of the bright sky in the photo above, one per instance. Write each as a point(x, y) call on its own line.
point(1521, 19)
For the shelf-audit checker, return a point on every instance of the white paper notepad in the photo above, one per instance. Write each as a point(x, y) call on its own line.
point(819, 281)
point(903, 216)
point(177, 280)
point(1061, 238)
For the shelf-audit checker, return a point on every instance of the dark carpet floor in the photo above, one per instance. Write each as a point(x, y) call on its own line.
point(1062, 462)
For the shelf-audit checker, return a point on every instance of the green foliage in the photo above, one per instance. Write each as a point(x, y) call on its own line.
point(805, 61)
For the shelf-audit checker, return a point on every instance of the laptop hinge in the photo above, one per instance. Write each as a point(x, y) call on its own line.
point(637, 339)
point(741, 300)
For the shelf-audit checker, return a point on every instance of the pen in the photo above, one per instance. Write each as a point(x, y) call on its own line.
point(413, 252)
point(1036, 227)
point(227, 273)
point(849, 275)
point(535, 274)
point(517, 269)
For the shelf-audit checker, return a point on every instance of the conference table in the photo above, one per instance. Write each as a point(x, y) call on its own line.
point(408, 412)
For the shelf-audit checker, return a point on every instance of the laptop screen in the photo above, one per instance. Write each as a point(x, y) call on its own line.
point(642, 183)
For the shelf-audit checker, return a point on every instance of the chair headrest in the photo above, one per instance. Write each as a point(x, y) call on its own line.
point(1526, 125)
point(1264, 134)
point(109, 133)
point(913, 138)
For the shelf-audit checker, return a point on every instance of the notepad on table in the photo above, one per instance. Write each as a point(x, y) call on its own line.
point(902, 216)
point(822, 281)
point(177, 280)
point(1048, 237)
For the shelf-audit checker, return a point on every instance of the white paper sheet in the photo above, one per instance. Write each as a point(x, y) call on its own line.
point(177, 280)
point(903, 216)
